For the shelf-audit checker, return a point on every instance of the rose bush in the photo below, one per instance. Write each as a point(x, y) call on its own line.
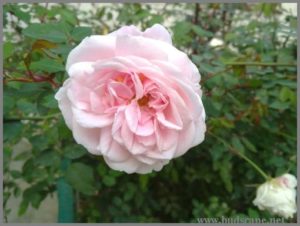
point(134, 98)
point(278, 196)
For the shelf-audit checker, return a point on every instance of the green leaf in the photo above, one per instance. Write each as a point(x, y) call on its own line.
point(109, 181)
point(69, 16)
point(47, 65)
point(74, 151)
point(11, 130)
point(8, 49)
point(285, 94)
point(248, 144)
point(279, 105)
point(52, 32)
point(48, 158)
point(26, 107)
point(225, 168)
point(23, 207)
point(79, 33)
point(39, 143)
point(80, 177)
point(16, 10)
point(49, 101)
point(235, 141)
point(253, 213)
point(8, 103)
point(201, 32)
point(16, 174)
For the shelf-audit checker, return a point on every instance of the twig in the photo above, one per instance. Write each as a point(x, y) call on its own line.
point(215, 74)
point(271, 64)
point(36, 118)
point(241, 155)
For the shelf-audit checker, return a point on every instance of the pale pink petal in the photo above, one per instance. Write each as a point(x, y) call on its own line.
point(87, 137)
point(91, 120)
point(79, 95)
point(144, 169)
point(191, 135)
point(147, 140)
point(105, 140)
point(141, 47)
point(129, 166)
point(64, 105)
point(199, 133)
point(132, 115)
point(158, 32)
point(81, 70)
point(139, 90)
point(166, 139)
point(170, 118)
point(91, 49)
point(96, 103)
point(117, 153)
point(144, 159)
point(145, 129)
point(131, 142)
point(289, 180)
point(127, 30)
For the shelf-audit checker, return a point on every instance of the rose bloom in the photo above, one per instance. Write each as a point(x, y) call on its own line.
point(278, 196)
point(134, 98)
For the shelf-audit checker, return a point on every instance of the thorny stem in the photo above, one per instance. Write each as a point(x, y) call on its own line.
point(254, 165)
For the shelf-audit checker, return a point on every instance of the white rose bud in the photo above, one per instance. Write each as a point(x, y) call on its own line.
point(278, 196)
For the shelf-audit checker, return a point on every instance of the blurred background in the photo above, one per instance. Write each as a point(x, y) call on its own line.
point(246, 54)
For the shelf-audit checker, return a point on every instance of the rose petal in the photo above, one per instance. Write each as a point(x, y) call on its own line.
point(127, 30)
point(91, 49)
point(166, 139)
point(129, 166)
point(105, 140)
point(170, 118)
point(90, 120)
point(141, 47)
point(144, 169)
point(117, 153)
point(64, 105)
point(87, 137)
point(158, 32)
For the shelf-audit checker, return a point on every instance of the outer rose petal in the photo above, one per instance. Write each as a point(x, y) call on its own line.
point(129, 166)
point(127, 30)
point(64, 105)
point(289, 180)
point(90, 120)
point(158, 32)
point(141, 47)
point(91, 49)
point(87, 137)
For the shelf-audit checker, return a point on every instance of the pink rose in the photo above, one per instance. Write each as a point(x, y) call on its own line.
point(133, 98)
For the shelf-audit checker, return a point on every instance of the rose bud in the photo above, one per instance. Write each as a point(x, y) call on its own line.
point(278, 196)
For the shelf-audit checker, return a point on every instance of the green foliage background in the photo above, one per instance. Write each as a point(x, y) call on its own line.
point(249, 93)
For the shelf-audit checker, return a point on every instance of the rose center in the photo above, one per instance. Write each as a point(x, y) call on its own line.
point(143, 101)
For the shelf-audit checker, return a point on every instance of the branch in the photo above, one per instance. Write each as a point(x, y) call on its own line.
point(36, 118)
point(213, 75)
point(271, 64)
